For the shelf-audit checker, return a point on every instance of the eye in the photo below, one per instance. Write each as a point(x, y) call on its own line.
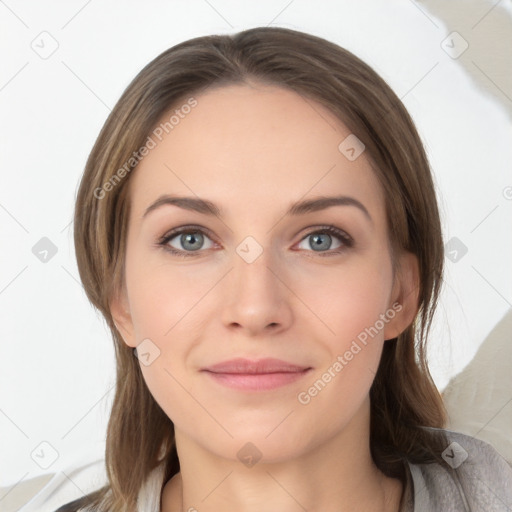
point(321, 240)
point(190, 241)
point(185, 241)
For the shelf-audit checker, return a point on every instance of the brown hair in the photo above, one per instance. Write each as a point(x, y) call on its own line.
point(403, 396)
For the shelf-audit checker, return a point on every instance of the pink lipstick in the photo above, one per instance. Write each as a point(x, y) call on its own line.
point(259, 375)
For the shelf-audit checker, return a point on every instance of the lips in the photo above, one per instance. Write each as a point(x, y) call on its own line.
point(261, 366)
point(260, 375)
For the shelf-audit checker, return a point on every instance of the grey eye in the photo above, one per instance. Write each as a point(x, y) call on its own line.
point(319, 242)
point(190, 241)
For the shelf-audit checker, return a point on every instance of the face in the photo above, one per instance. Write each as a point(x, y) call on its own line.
point(257, 279)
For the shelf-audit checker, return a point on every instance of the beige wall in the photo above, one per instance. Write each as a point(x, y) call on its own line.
point(487, 27)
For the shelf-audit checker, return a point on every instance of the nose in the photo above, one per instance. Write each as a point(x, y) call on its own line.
point(257, 298)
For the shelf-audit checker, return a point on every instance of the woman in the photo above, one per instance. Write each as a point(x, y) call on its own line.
point(257, 223)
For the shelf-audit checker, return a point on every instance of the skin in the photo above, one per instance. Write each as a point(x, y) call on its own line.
point(253, 150)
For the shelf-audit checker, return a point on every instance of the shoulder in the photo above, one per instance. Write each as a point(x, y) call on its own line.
point(92, 502)
point(474, 476)
point(82, 504)
point(79, 505)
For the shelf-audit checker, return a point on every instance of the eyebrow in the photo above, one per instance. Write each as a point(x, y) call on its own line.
point(300, 208)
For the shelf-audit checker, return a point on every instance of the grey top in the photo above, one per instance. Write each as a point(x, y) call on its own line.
point(481, 480)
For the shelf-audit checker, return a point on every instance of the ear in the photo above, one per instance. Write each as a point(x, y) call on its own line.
point(120, 311)
point(404, 296)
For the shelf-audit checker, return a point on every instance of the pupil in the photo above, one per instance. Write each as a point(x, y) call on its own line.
point(192, 237)
point(318, 243)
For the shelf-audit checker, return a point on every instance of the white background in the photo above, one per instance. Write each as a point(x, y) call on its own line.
point(57, 365)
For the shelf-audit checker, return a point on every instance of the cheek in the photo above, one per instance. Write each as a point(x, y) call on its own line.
point(167, 317)
point(162, 297)
point(348, 300)
point(353, 308)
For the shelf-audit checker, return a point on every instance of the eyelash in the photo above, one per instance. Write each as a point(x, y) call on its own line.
point(162, 242)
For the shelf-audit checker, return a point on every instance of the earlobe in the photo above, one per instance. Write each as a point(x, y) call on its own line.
point(120, 311)
point(405, 295)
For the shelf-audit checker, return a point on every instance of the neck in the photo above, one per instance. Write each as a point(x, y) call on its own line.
point(337, 476)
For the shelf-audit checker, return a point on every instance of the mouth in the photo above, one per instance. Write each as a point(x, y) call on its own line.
point(259, 375)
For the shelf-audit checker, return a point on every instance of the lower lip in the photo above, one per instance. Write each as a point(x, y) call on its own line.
point(256, 382)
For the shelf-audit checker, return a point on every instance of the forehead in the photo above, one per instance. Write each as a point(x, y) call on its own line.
point(250, 143)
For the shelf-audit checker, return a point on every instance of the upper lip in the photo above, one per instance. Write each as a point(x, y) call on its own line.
point(259, 366)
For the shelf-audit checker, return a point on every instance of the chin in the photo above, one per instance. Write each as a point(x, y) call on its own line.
point(267, 442)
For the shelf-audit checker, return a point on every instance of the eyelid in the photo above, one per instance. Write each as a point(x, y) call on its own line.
point(186, 228)
point(331, 230)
